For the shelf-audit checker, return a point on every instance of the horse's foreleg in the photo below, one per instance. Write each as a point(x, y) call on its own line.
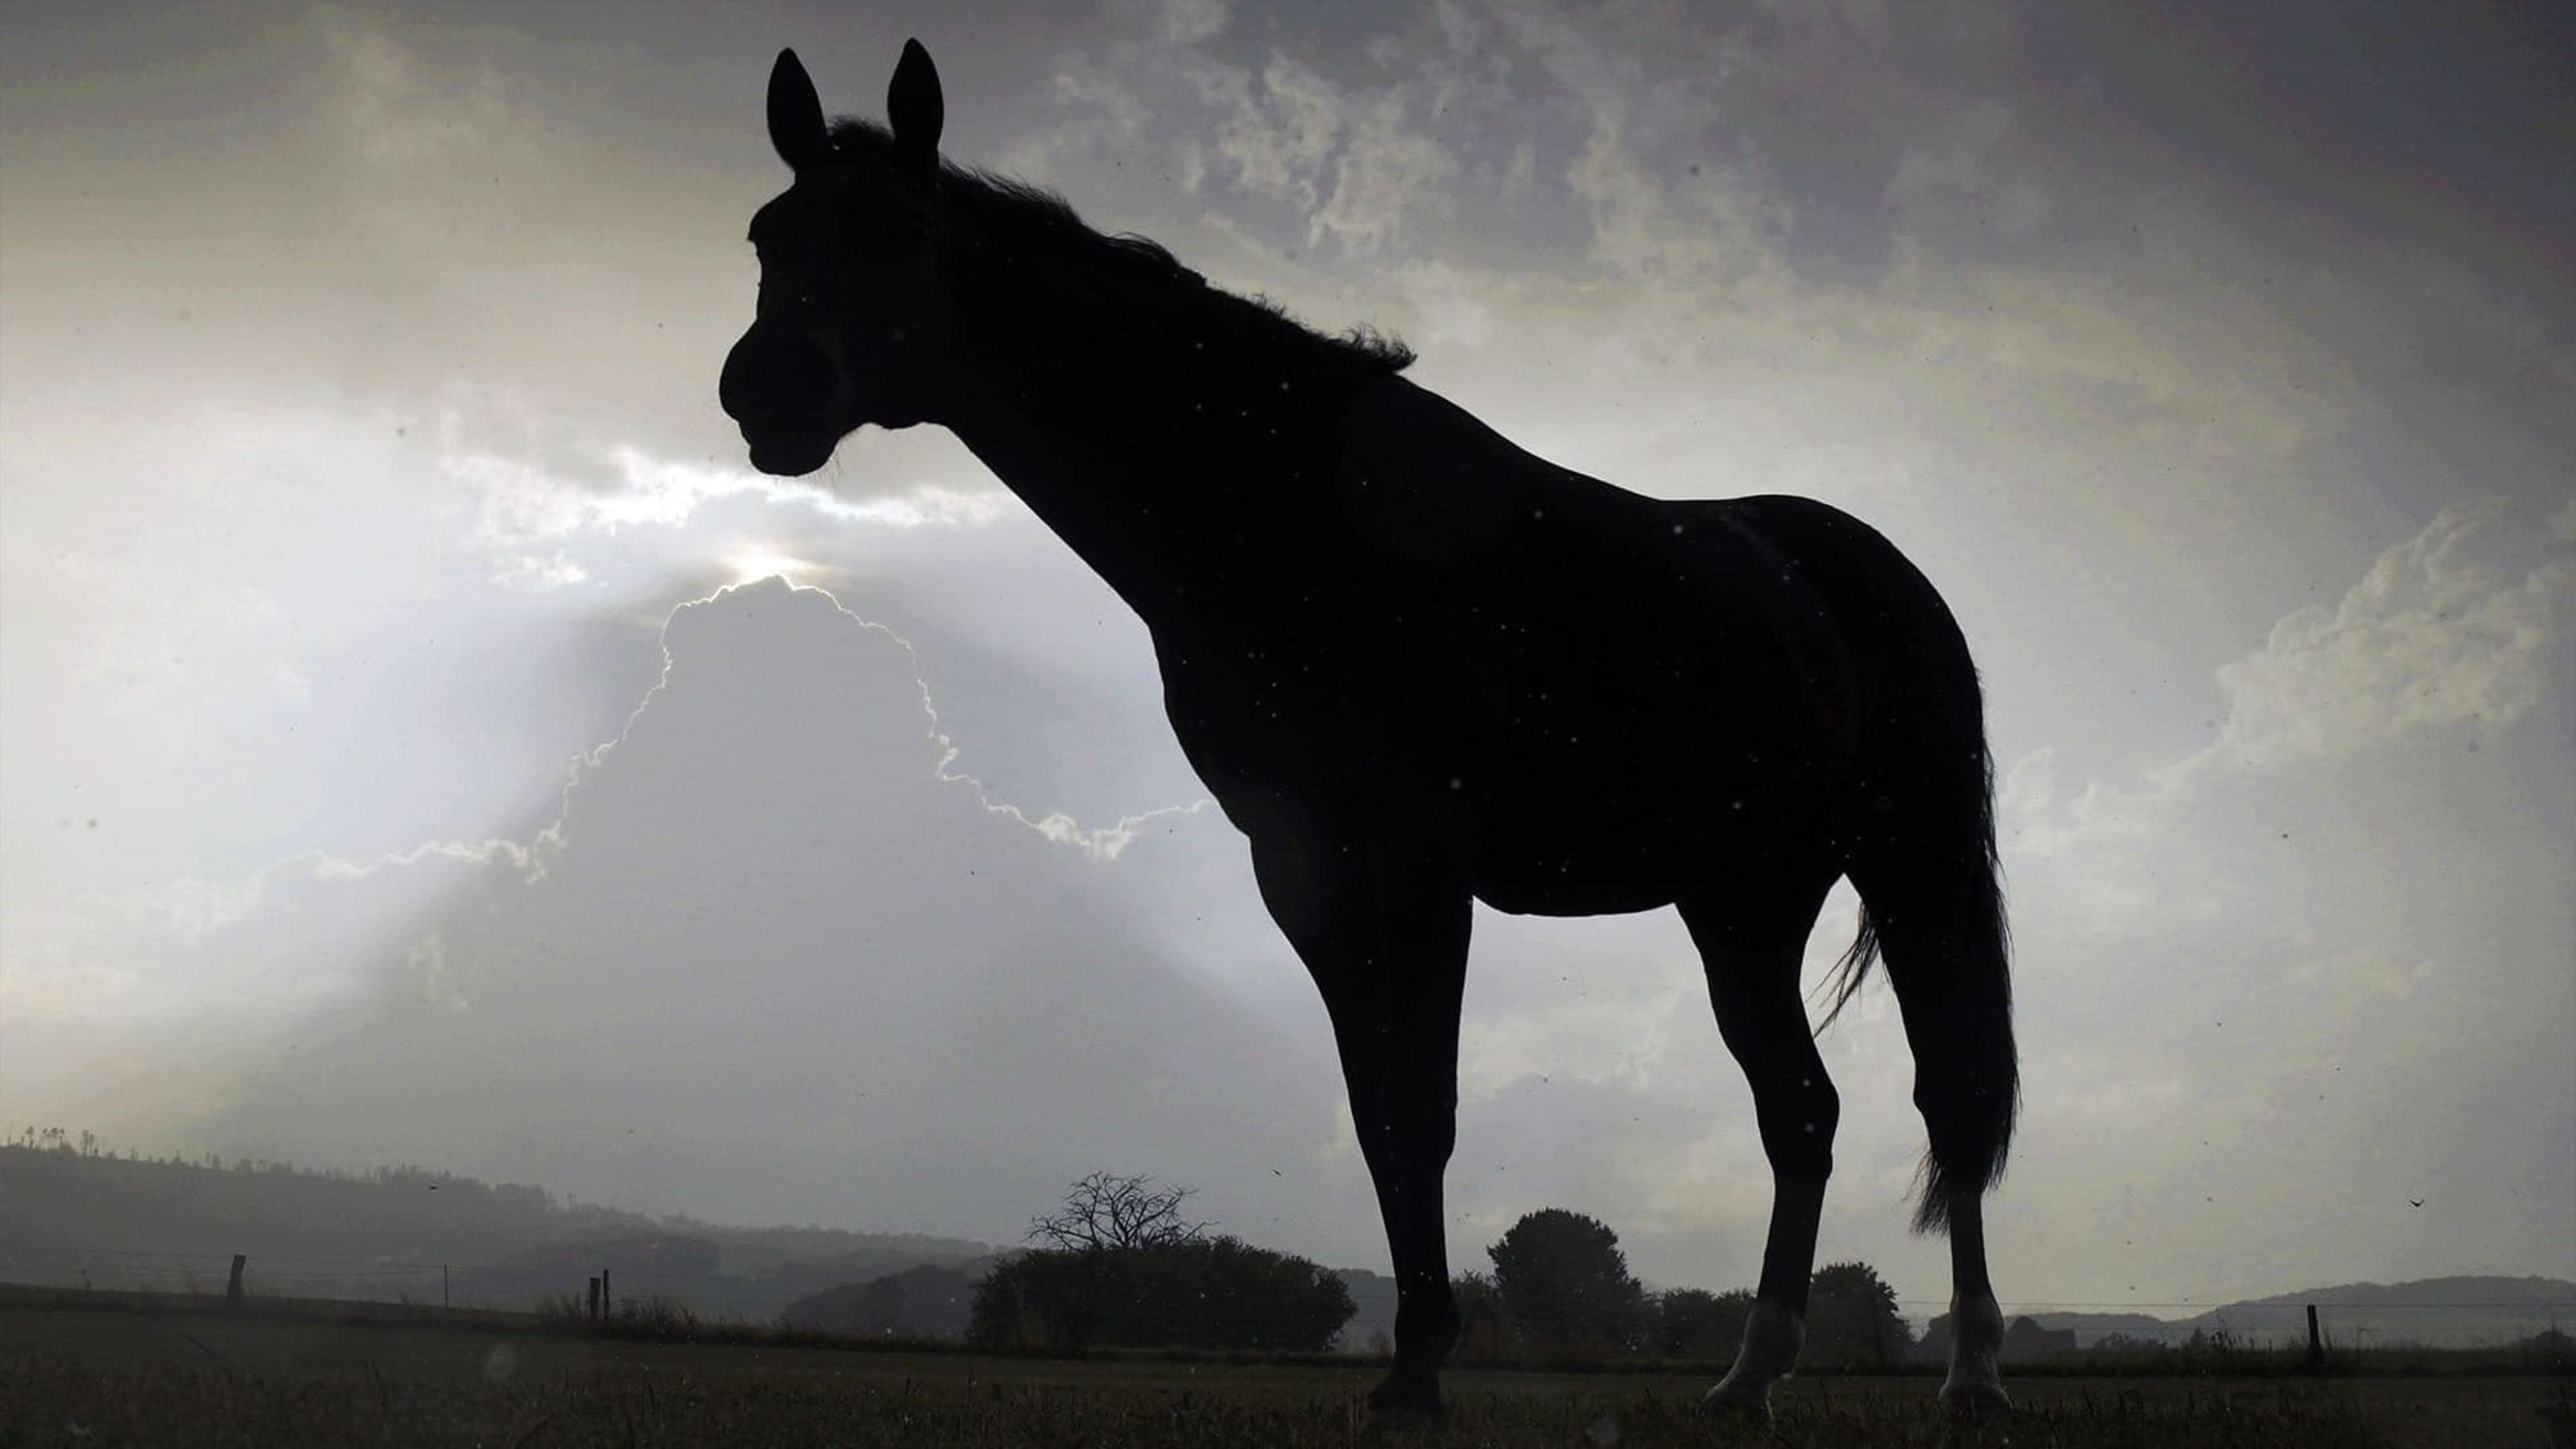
point(1752, 956)
point(1385, 937)
point(1406, 1120)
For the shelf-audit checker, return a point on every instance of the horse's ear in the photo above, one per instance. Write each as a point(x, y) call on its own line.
point(795, 114)
point(914, 107)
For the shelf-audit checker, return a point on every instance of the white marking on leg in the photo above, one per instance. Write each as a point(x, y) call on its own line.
point(1772, 1335)
point(1976, 1335)
point(1975, 1383)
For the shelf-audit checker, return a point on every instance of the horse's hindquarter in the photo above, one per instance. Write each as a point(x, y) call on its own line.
point(1605, 695)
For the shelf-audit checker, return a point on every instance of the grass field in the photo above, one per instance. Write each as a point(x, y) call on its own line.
point(178, 1373)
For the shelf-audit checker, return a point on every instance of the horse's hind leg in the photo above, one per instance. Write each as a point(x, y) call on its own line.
point(1384, 933)
point(1938, 914)
point(1751, 942)
point(1974, 1384)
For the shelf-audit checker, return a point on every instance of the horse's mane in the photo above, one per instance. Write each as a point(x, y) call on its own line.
point(1033, 219)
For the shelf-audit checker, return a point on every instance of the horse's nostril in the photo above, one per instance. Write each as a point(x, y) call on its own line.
point(772, 374)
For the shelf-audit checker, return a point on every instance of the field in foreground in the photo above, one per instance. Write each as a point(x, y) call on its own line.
point(83, 1376)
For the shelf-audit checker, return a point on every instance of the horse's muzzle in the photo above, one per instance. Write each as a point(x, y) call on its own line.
point(780, 386)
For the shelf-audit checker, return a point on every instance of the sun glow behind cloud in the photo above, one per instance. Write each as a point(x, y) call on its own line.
point(745, 563)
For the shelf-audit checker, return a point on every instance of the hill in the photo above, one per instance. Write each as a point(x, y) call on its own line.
point(1373, 1309)
point(74, 1218)
point(924, 1302)
point(2456, 1312)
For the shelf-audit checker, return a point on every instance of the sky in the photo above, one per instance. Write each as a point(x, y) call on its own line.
point(424, 739)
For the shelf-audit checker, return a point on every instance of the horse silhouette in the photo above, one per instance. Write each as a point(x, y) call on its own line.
point(1418, 666)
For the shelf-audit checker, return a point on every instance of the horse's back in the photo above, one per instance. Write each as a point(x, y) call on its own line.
point(1616, 690)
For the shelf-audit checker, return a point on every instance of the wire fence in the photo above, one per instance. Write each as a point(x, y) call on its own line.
point(762, 1296)
point(751, 1297)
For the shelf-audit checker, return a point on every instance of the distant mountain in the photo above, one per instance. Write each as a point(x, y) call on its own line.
point(2461, 1312)
point(2517, 1293)
point(1373, 1303)
point(2094, 1325)
point(72, 1218)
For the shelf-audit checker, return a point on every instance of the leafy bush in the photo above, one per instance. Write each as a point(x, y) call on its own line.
point(1208, 1293)
point(1693, 1323)
point(1852, 1322)
point(1565, 1283)
point(1484, 1330)
point(928, 1301)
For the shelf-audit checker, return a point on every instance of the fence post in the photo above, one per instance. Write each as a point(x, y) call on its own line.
point(2316, 1344)
point(607, 1303)
point(594, 1299)
point(232, 1286)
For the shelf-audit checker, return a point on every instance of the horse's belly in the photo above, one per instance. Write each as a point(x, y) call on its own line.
point(1568, 888)
point(1550, 851)
point(1627, 812)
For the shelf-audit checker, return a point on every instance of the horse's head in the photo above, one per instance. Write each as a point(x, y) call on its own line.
point(850, 324)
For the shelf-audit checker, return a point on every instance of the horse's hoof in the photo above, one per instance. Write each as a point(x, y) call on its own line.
point(1396, 1396)
point(1975, 1398)
point(1733, 1399)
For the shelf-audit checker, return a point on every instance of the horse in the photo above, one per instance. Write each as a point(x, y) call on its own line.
point(1418, 667)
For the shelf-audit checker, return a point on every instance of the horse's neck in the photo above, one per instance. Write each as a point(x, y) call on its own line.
point(1174, 488)
point(1099, 493)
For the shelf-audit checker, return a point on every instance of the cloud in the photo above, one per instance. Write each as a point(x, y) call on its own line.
point(1954, 157)
point(532, 491)
point(197, 911)
point(1707, 239)
point(1278, 130)
point(1352, 161)
point(398, 115)
point(2433, 635)
point(1956, 160)
point(540, 571)
point(1385, 178)
point(768, 926)
point(1178, 22)
point(2430, 636)
point(2319, 944)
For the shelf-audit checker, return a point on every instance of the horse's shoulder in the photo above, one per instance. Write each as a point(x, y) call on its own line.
point(1394, 417)
point(1799, 525)
point(1420, 480)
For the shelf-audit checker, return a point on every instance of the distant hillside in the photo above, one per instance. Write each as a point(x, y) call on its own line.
point(2093, 1325)
point(924, 1302)
point(2463, 1312)
point(1373, 1305)
point(120, 1222)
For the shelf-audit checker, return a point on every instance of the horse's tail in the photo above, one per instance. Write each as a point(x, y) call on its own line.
point(1843, 982)
point(1919, 833)
point(1941, 924)
point(1947, 946)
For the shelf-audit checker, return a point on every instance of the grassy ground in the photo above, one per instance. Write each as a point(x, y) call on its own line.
point(178, 1374)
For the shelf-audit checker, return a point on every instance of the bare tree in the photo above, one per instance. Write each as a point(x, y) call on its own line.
point(1105, 1211)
